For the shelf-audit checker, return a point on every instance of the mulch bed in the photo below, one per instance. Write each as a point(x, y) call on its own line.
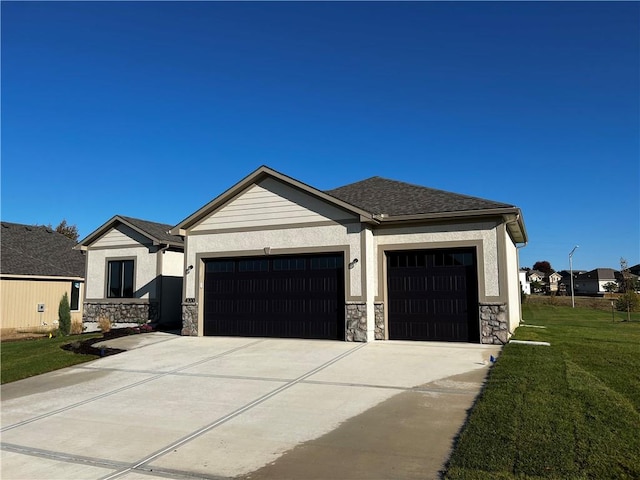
point(86, 347)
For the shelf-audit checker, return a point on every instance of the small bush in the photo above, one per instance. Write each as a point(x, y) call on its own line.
point(76, 328)
point(64, 315)
point(630, 299)
point(104, 324)
point(146, 328)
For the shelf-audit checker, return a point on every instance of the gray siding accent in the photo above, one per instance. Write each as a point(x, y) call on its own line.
point(120, 236)
point(268, 203)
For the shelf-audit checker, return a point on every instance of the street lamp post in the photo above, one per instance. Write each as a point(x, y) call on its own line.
point(573, 301)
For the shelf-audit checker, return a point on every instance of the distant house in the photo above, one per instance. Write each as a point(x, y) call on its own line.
point(135, 270)
point(525, 286)
point(38, 266)
point(593, 282)
point(536, 277)
point(553, 282)
point(564, 285)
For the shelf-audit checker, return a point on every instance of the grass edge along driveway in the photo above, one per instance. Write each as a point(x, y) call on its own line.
point(568, 411)
point(25, 358)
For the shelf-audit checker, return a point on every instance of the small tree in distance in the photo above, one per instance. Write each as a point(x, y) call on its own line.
point(544, 267)
point(69, 231)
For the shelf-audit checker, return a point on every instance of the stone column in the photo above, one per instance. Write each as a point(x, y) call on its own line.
point(356, 322)
point(190, 319)
point(379, 316)
point(494, 325)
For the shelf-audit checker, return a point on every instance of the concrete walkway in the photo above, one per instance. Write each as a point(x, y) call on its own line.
point(215, 408)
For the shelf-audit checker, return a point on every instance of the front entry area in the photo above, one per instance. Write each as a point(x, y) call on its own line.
point(433, 295)
point(297, 296)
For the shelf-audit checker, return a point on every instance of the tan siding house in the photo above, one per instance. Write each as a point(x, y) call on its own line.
point(38, 266)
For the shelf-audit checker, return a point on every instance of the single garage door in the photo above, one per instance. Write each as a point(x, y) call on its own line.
point(433, 295)
point(299, 296)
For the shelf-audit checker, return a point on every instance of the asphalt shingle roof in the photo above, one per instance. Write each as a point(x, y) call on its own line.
point(158, 231)
point(379, 195)
point(32, 250)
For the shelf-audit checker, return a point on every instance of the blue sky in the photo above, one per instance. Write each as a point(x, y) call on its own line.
point(152, 109)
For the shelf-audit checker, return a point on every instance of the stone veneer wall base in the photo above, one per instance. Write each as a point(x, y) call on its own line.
point(494, 327)
point(147, 312)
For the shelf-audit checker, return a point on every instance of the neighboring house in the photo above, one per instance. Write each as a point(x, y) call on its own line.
point(38, 266)
point(135, 273)
point(553, 281)
point(593, 282)
point(536, 277)
point(564, 285)
point(635, 270)
point(525, 286)
point(376, 259)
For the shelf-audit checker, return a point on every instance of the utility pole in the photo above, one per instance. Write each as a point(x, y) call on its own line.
point(573, 300)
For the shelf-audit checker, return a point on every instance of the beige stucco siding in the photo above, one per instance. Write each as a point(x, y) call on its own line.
point(270, 203)
point(20, 299)
point(172, 264)
point(445, 236)
point(120, 236)
point(513, 287)
point(144, 274)
point(327, 238)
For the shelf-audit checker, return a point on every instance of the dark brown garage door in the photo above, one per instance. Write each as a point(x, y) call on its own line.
point(298, 296)
point(433, 295)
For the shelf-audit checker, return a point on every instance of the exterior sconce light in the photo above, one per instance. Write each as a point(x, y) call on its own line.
point(353, 263)
point(189, 268)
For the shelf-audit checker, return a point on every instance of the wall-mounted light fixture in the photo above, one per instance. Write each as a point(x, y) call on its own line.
point(352, 263)
point(189, 268)
point(267, 250)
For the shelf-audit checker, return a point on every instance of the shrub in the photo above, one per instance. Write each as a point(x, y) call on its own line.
point(76, 328)
point(104, 324)
point(64, 315)
point(146, 328)
point(631, 299)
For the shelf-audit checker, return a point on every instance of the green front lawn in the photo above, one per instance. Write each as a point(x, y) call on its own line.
point(568, 411)
point(26, 358)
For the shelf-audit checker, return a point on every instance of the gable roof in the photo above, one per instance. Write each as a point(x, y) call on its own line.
point(255, 177)
point(599, 274)
point(378, 200)
point(38, 251)
point(156, 232)
point(385, 197)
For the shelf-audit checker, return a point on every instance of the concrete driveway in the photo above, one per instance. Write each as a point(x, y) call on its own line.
point(185, 407)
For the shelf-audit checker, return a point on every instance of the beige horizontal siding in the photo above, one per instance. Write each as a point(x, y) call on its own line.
point(20, 299)
point(271, 203)
point(120, 236)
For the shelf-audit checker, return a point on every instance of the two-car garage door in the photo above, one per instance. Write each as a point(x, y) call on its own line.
point(300, 296)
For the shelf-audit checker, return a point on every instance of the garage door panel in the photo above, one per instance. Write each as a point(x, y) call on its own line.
point(285, 296)
point(430, 293)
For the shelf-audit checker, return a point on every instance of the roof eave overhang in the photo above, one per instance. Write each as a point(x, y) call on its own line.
point(512, 216)
point(22, 276)
point(261, 173)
